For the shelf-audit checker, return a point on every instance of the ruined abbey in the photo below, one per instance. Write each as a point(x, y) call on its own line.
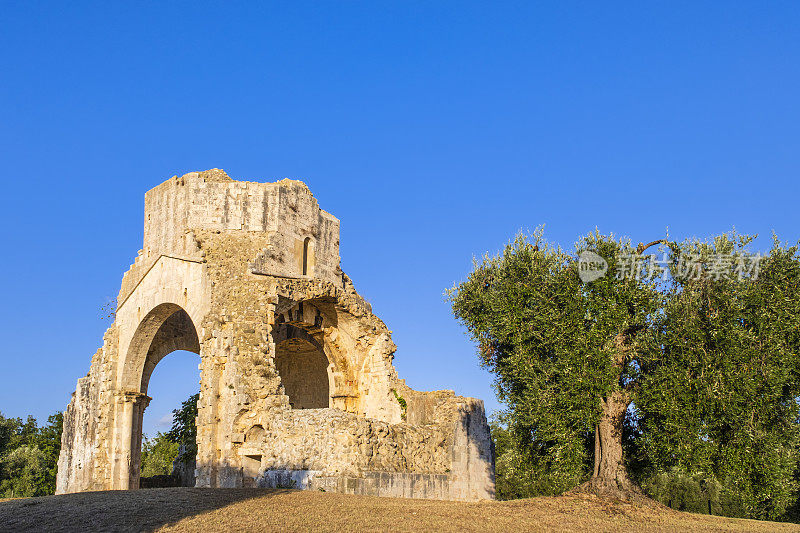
point(297, 386)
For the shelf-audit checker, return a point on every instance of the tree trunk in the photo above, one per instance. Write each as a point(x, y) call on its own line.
point(610, 474)
point(610, 477)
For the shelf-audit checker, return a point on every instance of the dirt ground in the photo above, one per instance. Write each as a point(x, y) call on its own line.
point(209, 510)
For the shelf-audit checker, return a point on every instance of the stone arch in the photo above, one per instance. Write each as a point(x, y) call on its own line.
point(319, 321)
point(163, 330)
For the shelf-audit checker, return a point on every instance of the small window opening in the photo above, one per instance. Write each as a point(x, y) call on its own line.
point(306, 244)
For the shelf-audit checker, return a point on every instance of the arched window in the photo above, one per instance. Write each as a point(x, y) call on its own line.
point(306, 244)
point(254, 435)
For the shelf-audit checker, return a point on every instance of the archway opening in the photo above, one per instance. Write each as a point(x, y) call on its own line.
point(169, 456)
point(169, 438)
point(303, 369)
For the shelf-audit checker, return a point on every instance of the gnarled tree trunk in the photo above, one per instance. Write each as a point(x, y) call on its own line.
point(610, 477)
point(610, 474)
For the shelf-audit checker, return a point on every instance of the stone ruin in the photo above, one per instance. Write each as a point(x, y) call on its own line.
point(297, 386)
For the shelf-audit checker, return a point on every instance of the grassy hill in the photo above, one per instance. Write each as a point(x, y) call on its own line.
point(209, 510)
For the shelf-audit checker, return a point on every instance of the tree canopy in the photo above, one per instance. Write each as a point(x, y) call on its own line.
point(158, 453)
point(29, 456)
point(645, 369)
point(720, 397)
point(184, 428)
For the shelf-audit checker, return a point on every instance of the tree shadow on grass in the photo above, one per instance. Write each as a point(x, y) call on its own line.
point(137, 510)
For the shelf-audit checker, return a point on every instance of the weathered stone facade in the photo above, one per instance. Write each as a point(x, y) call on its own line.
point(297, 383)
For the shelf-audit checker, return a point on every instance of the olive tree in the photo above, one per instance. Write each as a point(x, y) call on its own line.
point(566, 353)
point(690, 371)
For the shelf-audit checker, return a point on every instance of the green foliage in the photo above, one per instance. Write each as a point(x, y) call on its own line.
point(548, 338)
point(8, 428)
point(157, 455)
point(184, 429)
point(713, 374)
point(520, 472)
point(26, 471)
point(180, 442)
point(49, 442)
point(29, 456)
point(722, 396)
point(696, 493)
point(402, 402)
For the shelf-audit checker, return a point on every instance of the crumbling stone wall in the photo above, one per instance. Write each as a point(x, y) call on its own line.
point(297, 383)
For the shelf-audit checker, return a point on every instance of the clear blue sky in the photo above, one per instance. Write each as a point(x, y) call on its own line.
point(433, 130)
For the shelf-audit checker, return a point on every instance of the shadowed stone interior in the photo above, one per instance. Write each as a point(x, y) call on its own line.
point(303, 370)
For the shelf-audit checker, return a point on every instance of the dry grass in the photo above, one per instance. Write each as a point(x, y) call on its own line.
point(209, 510)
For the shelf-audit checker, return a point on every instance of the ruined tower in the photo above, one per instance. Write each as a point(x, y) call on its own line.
point(297, 385)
